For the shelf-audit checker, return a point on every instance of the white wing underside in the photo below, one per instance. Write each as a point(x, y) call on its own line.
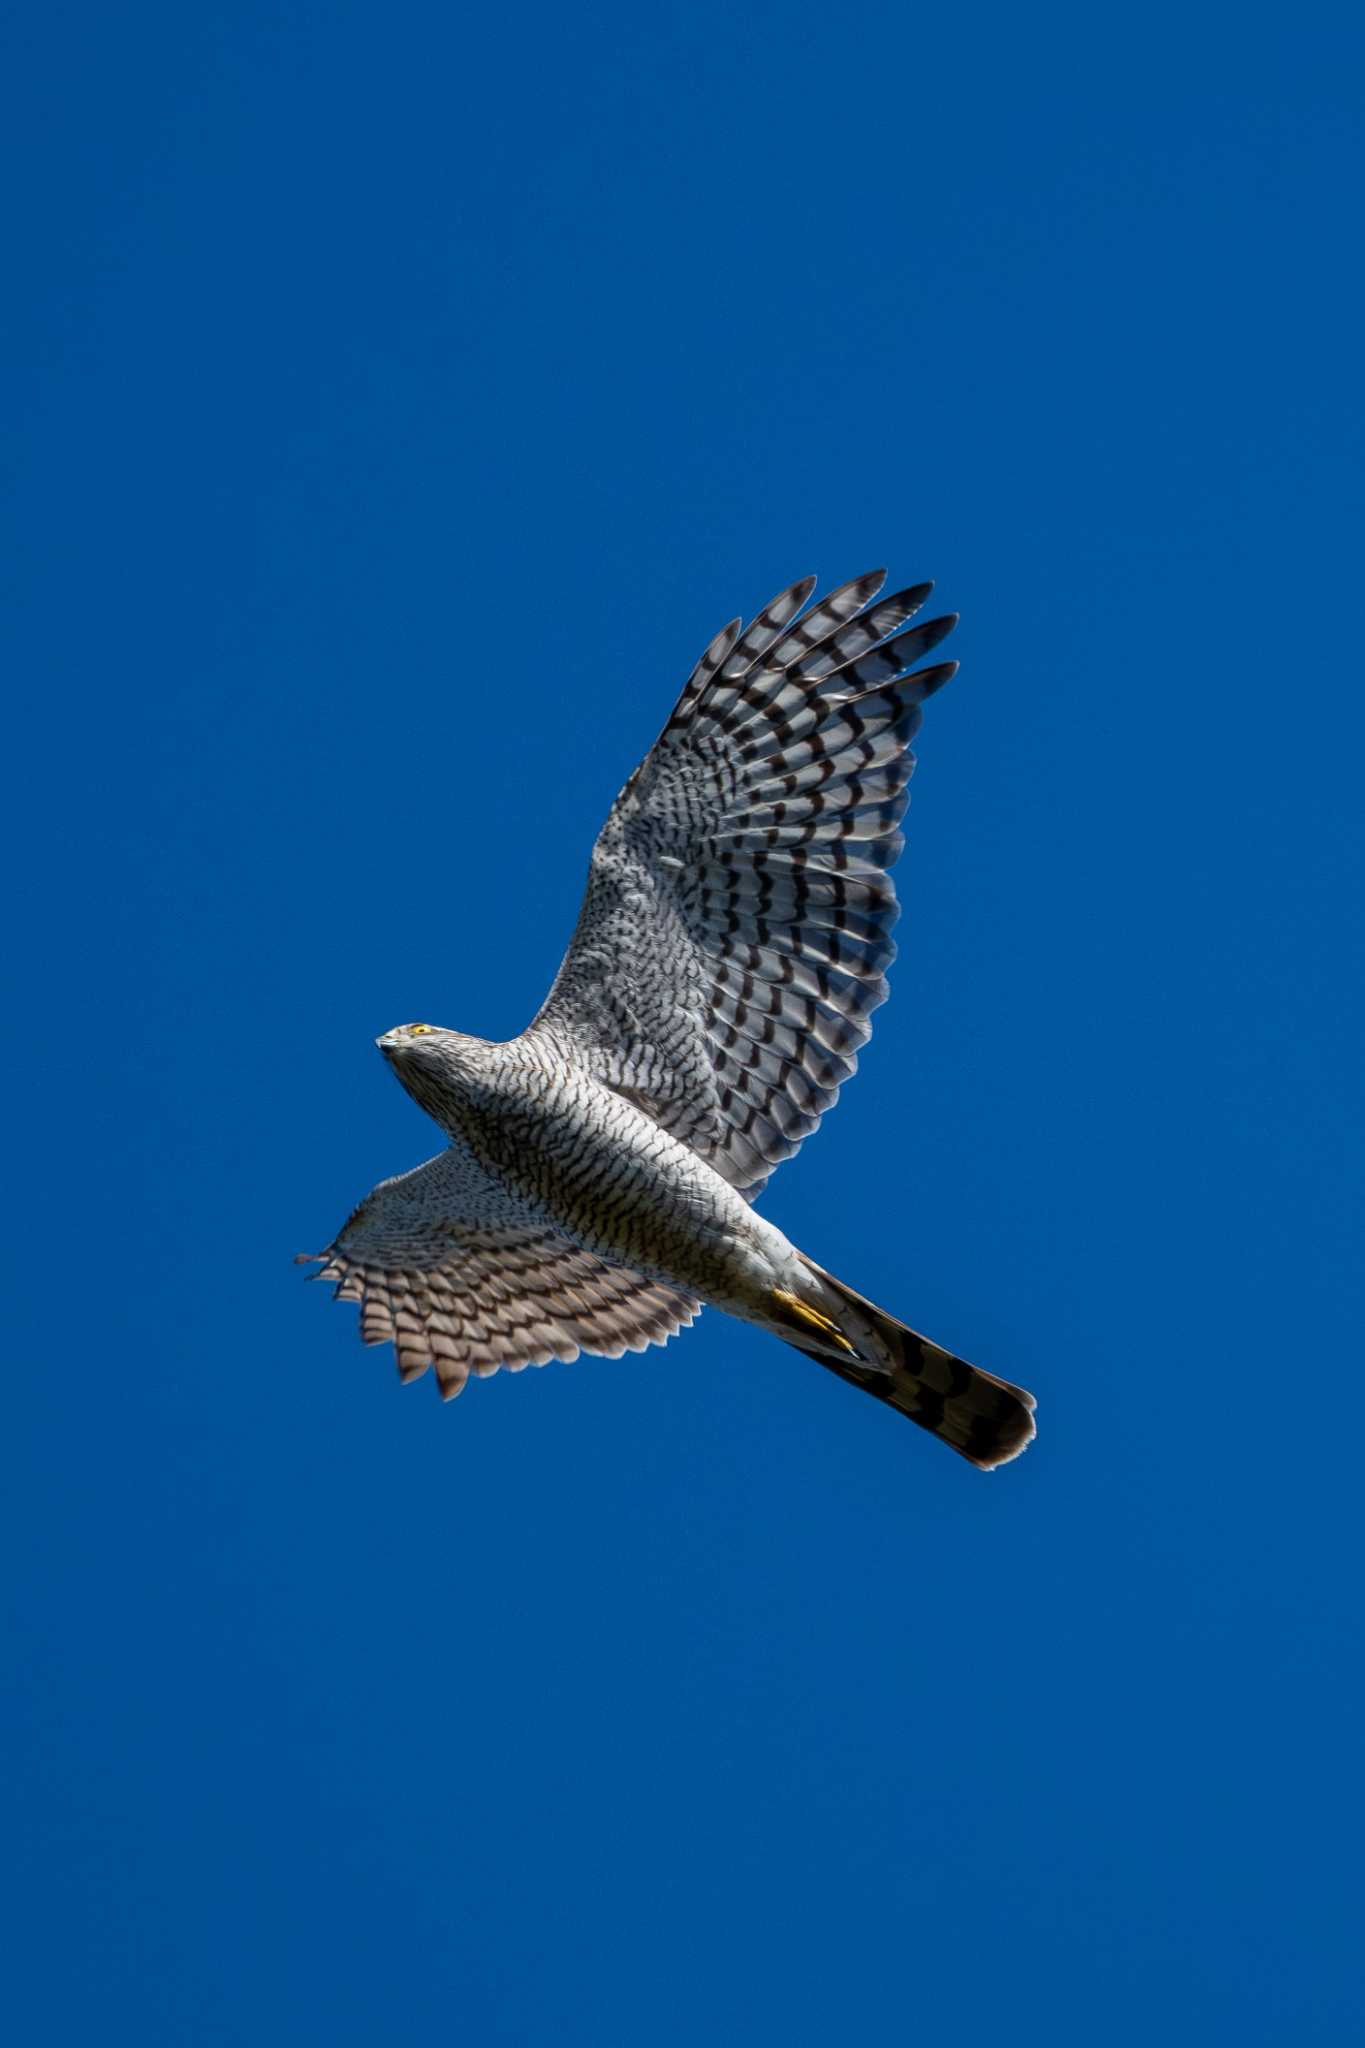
point(736, 930)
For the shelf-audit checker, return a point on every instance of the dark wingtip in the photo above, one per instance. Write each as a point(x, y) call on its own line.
point(933, 631)
point(931, 679)
point(866, 587)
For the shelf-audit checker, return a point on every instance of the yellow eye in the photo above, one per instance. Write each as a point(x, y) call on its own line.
point(416, 1030)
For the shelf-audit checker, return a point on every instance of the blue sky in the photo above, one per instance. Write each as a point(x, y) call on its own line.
point(399, 399)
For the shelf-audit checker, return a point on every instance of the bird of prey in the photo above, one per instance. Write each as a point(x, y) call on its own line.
point(597, 1183)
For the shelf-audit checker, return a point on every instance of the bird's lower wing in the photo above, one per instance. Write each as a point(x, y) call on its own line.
point(452, 1272)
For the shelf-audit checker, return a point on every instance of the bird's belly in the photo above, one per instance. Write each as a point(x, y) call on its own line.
point(610, 1178)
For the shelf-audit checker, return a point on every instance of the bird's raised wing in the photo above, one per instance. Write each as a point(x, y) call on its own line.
point(736, 930)
point(450, 1269)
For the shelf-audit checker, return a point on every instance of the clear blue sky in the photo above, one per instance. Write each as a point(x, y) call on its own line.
point(399, 399)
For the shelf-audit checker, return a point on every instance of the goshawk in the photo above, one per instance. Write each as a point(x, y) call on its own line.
point(599, 1173)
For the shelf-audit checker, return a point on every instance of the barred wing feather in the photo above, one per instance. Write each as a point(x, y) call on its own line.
point(455, 1273)
point(736, 930)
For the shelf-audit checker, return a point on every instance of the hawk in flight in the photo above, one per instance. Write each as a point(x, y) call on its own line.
point(597, 1182)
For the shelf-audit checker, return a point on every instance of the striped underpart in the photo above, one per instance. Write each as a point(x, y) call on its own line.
point(741, 878)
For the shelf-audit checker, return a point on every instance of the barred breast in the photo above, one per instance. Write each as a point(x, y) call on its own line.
point(603, 1172)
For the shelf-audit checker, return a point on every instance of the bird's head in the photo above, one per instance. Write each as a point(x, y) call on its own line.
point(429, 1061)
point(404, 1039)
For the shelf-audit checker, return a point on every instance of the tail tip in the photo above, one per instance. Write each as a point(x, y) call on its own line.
point(1011, 1434)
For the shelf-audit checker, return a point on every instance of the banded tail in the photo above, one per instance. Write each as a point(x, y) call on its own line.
point(982, 1418)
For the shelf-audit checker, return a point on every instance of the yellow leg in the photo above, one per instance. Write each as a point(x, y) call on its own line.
point(818, 1321)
